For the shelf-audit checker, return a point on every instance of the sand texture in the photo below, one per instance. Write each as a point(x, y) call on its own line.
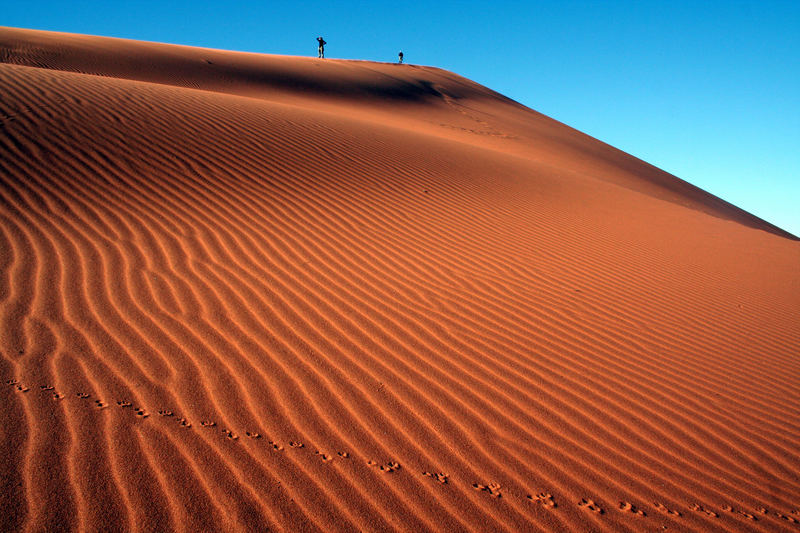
point(242, 292)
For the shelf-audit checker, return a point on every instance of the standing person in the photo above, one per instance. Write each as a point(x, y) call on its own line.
point(400, 56)
point(322, 44)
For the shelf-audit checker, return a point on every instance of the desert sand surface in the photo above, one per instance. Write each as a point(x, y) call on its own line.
point(244, 292)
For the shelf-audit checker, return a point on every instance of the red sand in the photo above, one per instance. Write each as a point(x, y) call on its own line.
point(472, 317)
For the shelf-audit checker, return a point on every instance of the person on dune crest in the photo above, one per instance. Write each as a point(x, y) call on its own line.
point(322, 44)
point(400, 57)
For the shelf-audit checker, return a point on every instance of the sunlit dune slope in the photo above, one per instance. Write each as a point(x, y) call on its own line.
point(249, 292)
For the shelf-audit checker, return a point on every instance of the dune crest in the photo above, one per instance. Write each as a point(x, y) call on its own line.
point(249, 292)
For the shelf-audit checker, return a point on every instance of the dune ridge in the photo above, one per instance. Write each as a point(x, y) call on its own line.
point(247, 292)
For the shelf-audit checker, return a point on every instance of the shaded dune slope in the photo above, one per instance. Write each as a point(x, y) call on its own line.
point(481, 113)
point(245, 292)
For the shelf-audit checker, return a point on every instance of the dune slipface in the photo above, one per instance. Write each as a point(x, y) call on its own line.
point(248, 292)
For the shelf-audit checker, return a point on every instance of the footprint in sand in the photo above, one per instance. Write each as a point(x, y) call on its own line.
point(230, 434)
point(165, 412)
point(492, 488)
point(590, 505)
point(276, 446)
point(46, 387)
point(82, 395)
point(325, 457)
point(701, 509)
point(438, 476)
point(630, 508)
point(100, 404)
point(344, 455)
point(747, 515)
point(295, 444)
point(57, 396)
point(544, 498)
point(141, 412)
point(184, 423)
point(207, 423)
point(123, 403)
point(786, 517)
point(663, 509)
point(253, 435)
point(22, 388)
point(391, 466)
point(11, 382)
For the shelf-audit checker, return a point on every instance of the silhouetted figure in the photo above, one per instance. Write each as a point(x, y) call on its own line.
point(322, 44)
point(400, 57)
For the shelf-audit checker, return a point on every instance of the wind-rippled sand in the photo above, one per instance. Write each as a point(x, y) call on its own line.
point(249, 292)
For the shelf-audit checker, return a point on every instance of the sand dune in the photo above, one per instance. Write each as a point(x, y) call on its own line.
point(248, 292)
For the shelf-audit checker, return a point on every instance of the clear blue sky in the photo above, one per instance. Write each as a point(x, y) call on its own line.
point(706, 90)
